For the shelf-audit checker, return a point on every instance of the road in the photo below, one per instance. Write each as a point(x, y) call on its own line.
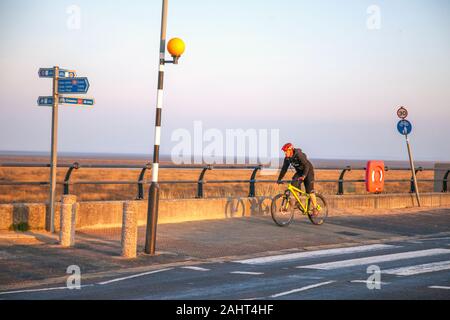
point(414, 268)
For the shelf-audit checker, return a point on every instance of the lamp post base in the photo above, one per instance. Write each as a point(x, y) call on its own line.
point(152, 218)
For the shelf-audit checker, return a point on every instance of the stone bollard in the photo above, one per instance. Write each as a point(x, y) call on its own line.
point(129, 229)
point(68, 220)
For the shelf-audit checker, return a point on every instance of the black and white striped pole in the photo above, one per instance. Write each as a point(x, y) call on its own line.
point(176, 49)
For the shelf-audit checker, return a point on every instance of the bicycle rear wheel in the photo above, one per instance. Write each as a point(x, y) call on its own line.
point(323, 210)
point(282, 210)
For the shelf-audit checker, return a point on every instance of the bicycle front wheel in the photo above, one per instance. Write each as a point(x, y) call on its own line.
point(282, 210)
point(318, 219)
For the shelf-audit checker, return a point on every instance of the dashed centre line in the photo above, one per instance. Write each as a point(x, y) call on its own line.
point(247, 273)
point(134, 276)
point(196, 268)
point(281, 294)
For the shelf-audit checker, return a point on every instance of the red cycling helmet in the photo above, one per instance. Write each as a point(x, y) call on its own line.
point(287, 146)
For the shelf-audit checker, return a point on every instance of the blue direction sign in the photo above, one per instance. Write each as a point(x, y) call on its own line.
point(45, 101)
point(79, 101)
point(50, 73)
point(48, 101)
point(73, 85)
point(404, 127)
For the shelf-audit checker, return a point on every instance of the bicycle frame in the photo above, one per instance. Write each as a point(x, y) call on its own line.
point(296, 191)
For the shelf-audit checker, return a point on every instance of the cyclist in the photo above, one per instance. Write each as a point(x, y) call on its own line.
point(304, 171)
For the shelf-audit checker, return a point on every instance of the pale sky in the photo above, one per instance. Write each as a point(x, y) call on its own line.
point(328, 74)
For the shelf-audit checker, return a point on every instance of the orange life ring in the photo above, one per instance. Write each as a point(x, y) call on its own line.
point(375, 176)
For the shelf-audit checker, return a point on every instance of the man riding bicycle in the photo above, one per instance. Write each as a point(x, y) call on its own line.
point(304, 172)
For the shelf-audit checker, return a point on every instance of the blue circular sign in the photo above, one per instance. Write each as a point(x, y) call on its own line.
point(404, 127)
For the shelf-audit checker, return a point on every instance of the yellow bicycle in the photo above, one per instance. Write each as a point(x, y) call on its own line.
point(284, 206)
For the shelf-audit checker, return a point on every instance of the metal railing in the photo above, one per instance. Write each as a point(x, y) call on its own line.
point(201, 181)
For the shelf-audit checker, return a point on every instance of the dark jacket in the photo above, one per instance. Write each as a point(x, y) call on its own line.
point(300, 163)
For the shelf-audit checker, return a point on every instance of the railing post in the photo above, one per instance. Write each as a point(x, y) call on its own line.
point(75, 166)
point(445, 181)
point(412, 188)
point(252, 191)
point(201, 182)
point(140, 195)
point(341, 180)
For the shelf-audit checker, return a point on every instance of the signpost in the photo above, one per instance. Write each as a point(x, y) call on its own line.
point(73, 85)
point(64, 81)
point(402, 113)
point(50, 72)
point(405, 128)
point(48, 101)
point(45, 101)
point(77, 101)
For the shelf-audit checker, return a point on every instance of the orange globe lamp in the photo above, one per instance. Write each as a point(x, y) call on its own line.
point(176, 48)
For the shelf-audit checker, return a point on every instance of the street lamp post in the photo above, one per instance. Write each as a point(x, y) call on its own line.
point(176, 48)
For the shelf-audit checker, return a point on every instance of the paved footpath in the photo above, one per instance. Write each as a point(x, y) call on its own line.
point(245, 259)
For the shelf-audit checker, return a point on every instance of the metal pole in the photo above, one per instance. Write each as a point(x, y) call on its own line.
point(153, 198)
point(53, 156)
point(411, 162)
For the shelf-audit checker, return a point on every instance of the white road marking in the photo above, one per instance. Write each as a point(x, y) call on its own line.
point(296, 276)
point(376, 259)
point(43, 289)
point(247, 272)
point(316, 254)
point(134, 276)
point(369, 282)
point(419, 269)
point(439, 287)
point(432, 239)
point(195, 268)
point(281, 294)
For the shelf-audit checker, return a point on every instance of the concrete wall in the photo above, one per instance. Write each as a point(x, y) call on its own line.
point(388, 201)
point(440, 169)
point(102, 214)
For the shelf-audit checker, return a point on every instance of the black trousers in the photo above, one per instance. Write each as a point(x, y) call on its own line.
point(309, 181)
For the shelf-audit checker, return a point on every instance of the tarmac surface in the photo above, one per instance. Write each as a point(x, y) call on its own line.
point(251, 258)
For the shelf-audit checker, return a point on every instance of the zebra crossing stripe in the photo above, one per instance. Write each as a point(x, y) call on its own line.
point(375, 259)
point(419, 269)
point(316, 254)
